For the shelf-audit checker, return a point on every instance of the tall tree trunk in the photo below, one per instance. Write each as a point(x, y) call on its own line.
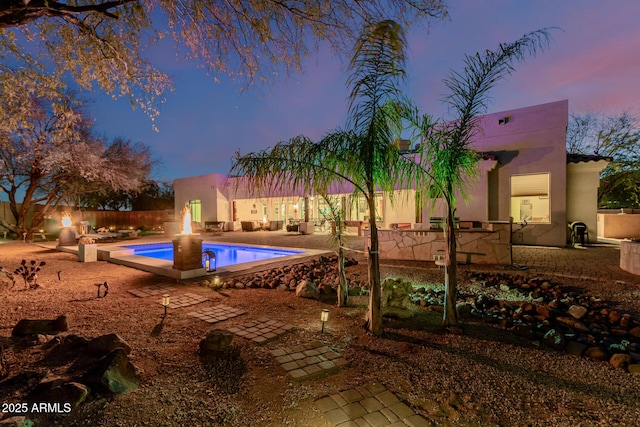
point(450, 317)
point(343, 290)
point(374, 316)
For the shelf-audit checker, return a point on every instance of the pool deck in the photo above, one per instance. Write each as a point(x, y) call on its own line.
point(116, 253)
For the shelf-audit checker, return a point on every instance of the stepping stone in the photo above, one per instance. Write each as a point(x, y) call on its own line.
point(261, 330)
point(370, 405)
point(307, 361)
point(152, 290)
point(185, 300)
point(217, 313)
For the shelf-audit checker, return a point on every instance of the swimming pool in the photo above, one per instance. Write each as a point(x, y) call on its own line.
point(226, 255)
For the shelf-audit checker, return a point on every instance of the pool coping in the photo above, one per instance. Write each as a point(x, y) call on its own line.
point(124, 256)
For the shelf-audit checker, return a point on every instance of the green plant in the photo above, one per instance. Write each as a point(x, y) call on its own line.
point(29, 273)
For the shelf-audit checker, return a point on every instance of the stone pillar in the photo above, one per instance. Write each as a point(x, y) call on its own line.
point(187, 252)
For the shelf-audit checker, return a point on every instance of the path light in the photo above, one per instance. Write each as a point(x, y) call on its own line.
point(209, 260)
point(216, 280)
point(165, 303)
point(324, 316)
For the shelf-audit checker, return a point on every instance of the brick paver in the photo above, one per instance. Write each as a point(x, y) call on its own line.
point(371, 405)
point(185, 300)
point(261, 330)
point(152, 290)
point(309, 360)
point(217, 313)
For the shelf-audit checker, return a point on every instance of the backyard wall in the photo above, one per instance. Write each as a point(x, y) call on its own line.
point(619, 226)
point(488, 245)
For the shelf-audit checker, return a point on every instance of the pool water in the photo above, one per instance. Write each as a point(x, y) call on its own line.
point(225, 254)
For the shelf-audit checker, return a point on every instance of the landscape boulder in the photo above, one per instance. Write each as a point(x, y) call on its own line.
point(395, 293)
point(26, 327)
point(307, 289)
point(105, 344)
point(114, 372)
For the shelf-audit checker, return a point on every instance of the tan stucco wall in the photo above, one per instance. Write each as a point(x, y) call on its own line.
point(619, 226)
point(533, 141)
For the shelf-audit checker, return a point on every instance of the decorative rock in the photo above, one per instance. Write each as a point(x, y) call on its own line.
point(577, 311)
point(635, 332)
point(216, 341)
point(306, 289)
point(596, 353)
point(395, 293)
point(34, 327)
point(620, 360)
point(283, 287)
point(634, 369)
point(614, 317)
point(464, 310)
point(105, 344)
point(554, 338)
point(72, 393)
point(115, 373)
point(575, 348)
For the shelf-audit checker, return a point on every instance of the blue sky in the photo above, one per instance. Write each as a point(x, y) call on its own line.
point(593, 61)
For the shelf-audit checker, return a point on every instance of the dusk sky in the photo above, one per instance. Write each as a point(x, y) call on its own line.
point(594, 62)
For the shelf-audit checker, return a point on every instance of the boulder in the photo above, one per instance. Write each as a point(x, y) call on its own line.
point(17, 421)
point(554, 338)
point(596, 353)
point(216, 340)
point(577, 311)
point(105, 344)
point(114, 372)
point(620, 360)
point(306, 289)
point(575, 348)
point(67, 394)
point(634, 369)
point(27, 327)
point(395, 293)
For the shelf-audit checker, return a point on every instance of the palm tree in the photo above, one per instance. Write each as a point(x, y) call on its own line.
point(365, 154)
point(447, 152)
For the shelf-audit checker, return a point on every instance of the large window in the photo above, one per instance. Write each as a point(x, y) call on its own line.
point(360, 210)
point(530, 198)
point(196, 210)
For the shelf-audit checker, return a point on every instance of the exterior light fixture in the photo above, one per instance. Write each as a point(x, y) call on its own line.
point(324, 316)
point(165, 303)
point(209, 260)
point(216, 280)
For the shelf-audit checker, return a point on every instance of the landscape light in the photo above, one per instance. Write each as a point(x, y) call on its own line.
point(209, 260)
point(165, 303)
point(324, 316)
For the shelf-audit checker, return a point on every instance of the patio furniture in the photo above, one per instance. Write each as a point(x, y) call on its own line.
point(250, 225)
point(578, 231)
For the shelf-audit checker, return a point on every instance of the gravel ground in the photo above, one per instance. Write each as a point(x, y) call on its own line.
point(484, 377)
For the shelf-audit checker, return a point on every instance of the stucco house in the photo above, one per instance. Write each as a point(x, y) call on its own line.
point(525, 174)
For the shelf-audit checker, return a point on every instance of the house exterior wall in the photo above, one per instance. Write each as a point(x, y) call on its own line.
point(531, 142)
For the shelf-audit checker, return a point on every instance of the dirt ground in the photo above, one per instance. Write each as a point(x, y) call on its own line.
point(484, 377)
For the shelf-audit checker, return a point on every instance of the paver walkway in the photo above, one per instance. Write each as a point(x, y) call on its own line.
point(217, 313)
point(185, 300)
point(152, 290)
point(309, 360)
point(261, 330)
point(368, 406)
